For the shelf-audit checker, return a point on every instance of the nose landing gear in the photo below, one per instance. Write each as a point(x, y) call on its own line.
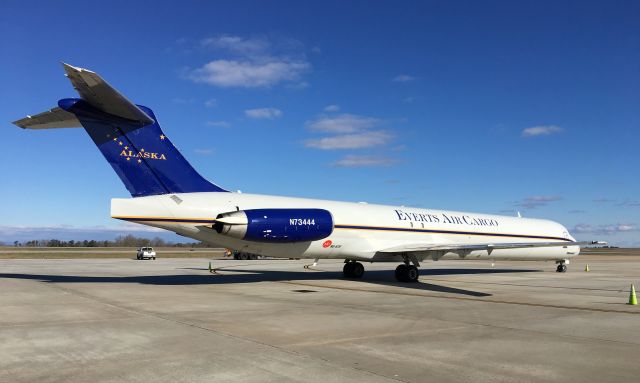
point(562, 266)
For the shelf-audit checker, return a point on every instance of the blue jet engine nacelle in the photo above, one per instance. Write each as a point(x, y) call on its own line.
point(276, 225)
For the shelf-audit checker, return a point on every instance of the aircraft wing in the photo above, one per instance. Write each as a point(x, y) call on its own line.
point(422, 247)
point(97, 92)
point(54, 118)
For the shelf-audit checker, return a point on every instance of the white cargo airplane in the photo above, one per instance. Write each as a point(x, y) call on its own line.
point(168, 193)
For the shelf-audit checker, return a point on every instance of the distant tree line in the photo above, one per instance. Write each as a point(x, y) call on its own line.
point(121, 241)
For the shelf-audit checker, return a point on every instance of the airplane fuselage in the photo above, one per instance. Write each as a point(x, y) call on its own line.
point(360, 230)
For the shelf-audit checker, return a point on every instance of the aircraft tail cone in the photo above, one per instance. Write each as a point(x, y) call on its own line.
point(633, 300)
point(586, 268)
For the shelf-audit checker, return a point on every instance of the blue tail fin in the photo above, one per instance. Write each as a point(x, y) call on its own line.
point(128, 136)
point(143, 157)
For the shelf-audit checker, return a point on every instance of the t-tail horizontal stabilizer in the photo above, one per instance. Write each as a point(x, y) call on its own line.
point(102, 96)
point(127, 134)
point(54, 118)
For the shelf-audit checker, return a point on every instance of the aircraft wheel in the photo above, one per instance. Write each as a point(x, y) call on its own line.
point(357, 271)
point(412, 274)
point(562, 268)
point(401, 273)
point(407, 273)
point(348, 269)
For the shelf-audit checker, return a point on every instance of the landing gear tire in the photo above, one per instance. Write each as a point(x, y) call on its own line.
point(401, 272)
point(407, 273)
point(562, 268)
point(358, 270)
point(412, 274)
point(353, 270)
point(347, 269)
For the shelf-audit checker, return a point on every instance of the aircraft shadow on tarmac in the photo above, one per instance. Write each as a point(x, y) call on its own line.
point(232, 275)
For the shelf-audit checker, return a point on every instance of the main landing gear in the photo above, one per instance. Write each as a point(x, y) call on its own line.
point(353, 269)
point(407, 272)
point(562, 266)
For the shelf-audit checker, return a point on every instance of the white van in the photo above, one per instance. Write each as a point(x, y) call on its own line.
point(146, 253)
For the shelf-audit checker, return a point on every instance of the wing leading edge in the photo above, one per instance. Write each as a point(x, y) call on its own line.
point(422, 247)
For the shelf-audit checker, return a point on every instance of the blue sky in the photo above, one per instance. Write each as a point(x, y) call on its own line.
point(482, 106)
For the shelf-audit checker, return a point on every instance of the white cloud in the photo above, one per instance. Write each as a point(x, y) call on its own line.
point(351, 141)
point(7, 231)
point(252, 62)
point(298, 85)
point(629, 203)
point(237, 44)
point(218, 124)
point(263, 113)
point(332, 108)
point(125, 226)
point(362, 161)
point(605, 229)
point(204, 152)
point(542, 130)
point(232, 73)
point(211, 103)
point(180, 100)
point(343, 123)
point(537, 201)
point(68, 232)
point(403, 78)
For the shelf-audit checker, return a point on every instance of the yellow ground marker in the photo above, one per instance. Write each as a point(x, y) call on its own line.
point(633, 300)
point(586, 268)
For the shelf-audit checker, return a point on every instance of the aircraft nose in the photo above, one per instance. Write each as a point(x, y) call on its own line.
point(566, 234)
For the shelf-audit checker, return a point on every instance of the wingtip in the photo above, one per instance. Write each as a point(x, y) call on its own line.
point(18, 124)
point(70, 68)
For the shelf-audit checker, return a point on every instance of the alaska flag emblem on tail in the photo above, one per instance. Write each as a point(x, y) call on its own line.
point(128, 136)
